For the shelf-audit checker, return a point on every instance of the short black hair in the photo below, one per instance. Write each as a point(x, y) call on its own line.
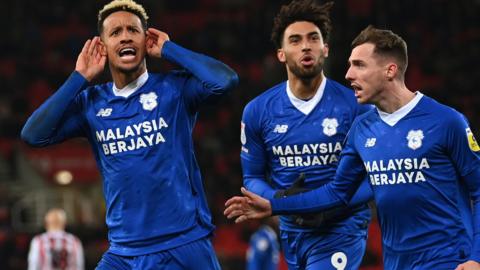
point(302, 10)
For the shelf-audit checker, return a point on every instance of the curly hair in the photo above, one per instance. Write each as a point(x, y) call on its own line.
point(125, 5)
point(302, 10)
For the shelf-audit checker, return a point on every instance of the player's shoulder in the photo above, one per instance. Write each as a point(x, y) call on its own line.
point(93, 92)
point(269, 94)
point(365, 119)
point(345, 96)
point(263, 100)
point(340, 90)
point(439, 111)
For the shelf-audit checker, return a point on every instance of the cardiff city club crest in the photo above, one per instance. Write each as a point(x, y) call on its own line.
point(330, 126)
point(415, 138)
point(149, 101)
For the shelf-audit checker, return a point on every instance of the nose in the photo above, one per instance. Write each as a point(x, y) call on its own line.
point(306, 46)
point(126, 38)
point(349, 74)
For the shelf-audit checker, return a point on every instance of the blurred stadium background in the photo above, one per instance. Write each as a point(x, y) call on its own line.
point(42, 39)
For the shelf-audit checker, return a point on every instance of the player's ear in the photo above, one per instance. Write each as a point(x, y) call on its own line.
point(391, 71)
point(325, 50)
point(281, 55)
point(103, 49)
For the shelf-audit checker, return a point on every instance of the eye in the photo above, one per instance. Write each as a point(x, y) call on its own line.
point(294, 40)
point(115, 32)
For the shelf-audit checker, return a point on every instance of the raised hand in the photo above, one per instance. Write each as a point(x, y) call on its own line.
point(155, 41)
point(251, 206)
point(91, 60)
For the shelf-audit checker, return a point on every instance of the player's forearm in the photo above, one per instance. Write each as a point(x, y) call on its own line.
point(259, 186)
point(44, 122)
point(319, 199)
point(363, 195)
point(348, 178)
point(216, 76)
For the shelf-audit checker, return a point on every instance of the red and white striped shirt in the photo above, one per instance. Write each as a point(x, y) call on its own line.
point(56, 250)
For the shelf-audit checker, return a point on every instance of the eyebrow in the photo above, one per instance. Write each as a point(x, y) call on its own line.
point(308, 34)
point(130, 26)
point(355, 62)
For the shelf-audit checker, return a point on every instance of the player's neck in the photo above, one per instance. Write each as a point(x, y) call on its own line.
point(122, 79)
point(305, 88)
point(395, 98)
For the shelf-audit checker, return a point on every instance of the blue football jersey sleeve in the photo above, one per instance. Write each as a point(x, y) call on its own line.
point(348, 178)
point(59, 117)
point(253, 153)
point(205, 79)
point(465, 154)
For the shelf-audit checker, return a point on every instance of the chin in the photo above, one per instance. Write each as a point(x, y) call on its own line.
point(129, 68)
point(362, 100)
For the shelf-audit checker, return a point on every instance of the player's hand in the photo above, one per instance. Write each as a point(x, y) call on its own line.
point(91, 60)
point(155, 41)
point(251, 206)
point(469, 265)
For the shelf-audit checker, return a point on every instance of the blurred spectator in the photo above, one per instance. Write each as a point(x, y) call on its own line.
point(264, 250)
point(55, 249)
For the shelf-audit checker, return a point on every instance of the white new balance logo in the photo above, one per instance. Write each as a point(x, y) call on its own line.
point(104, 112)
point(280, 129)
point(370, 142)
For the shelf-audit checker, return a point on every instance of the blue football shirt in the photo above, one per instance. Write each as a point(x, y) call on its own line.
point(424, 171)
point(280, 141)
point(143, 147)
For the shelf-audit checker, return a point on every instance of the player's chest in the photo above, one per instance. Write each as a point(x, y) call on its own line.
point(300, 129)
point(404, 140)
point(148, 110)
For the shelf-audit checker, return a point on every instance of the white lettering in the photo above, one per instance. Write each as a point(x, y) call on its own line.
point(122, 146)
point(277, 150)
point(110, 135)
point(105, 149)
point(118, 134)
point(100, 135)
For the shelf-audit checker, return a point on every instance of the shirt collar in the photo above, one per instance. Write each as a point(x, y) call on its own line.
point(392, 118)
point(131, 87)
point(306, 106)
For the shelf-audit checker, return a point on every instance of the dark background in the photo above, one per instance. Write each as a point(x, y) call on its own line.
point(39, 44)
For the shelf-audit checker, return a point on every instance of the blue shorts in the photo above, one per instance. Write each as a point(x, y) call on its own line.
point(310, 250)
point(195, 255)
point(436, 258)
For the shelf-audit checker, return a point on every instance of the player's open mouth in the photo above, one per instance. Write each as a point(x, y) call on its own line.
point(307, 60)
point(357, 89)
point(127, 53)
